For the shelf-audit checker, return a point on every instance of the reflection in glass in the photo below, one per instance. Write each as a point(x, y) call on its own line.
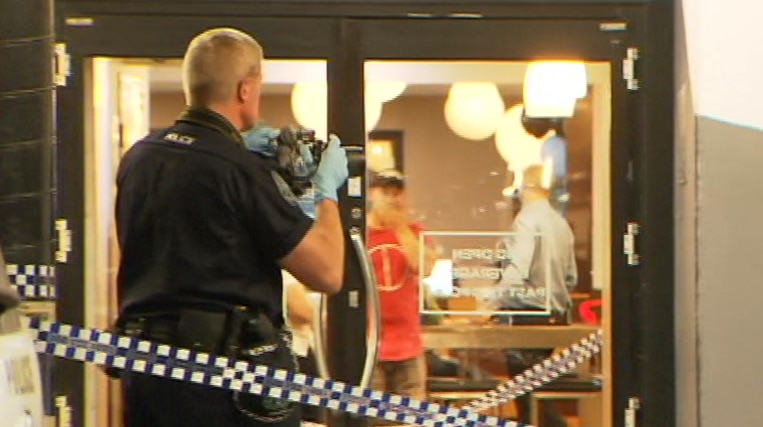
point(380, 155)
point(472, 269)
point(468, 143)
point(456, 183)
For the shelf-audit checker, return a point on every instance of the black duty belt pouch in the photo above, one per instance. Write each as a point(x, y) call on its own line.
point(260, 343)
point(236, 333)
point(201, 330)
point(276, 354)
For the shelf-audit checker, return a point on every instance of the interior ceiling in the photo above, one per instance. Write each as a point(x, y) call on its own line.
point(423, 77)
point(285, 89)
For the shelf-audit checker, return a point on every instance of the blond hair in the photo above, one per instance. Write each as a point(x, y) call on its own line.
point(215, 62)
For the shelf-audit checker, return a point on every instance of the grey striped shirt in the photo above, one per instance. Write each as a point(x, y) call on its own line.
point(542, 264)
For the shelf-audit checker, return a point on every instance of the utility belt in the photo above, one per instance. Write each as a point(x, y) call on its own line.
point(235, 332)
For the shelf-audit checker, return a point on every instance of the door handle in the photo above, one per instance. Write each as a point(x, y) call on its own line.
point(373, 303)
point(319, 343)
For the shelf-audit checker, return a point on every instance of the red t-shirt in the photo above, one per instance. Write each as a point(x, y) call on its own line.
point(399, 296)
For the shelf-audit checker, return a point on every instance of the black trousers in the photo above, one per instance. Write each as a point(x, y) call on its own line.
point(517, 362)
point(151, 401)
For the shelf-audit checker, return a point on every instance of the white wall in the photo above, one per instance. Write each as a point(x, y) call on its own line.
point(686, 235)
point(726, 57)
point(719, 213)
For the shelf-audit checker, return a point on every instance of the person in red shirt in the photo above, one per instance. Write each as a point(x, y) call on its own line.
point(393, 245)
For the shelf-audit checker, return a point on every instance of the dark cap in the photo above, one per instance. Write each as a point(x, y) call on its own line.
point(388, 178)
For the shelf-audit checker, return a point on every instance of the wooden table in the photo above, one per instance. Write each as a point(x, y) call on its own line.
point(468, 336)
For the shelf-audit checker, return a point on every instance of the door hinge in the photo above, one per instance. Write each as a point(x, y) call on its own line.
point(634, 404)
point(629, 68)
point(62, 65)
point(64, 240)
point(629, 243)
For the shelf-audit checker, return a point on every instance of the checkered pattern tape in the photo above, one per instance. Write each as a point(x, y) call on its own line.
point(541, 373)
point(134, 355)
point(33, 281)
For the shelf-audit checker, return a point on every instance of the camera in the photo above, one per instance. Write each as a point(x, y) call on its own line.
point(297, 153)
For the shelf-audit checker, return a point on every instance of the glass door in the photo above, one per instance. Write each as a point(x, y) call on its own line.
point(388, 85)
point(117, 115)
point(477, 134)
point(127, 99)
point(90, 142)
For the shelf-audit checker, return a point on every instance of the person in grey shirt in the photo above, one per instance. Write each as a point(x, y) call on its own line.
point(540, 274)
point(541, 270)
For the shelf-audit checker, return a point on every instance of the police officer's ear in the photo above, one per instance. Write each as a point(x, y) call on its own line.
point(248, 88)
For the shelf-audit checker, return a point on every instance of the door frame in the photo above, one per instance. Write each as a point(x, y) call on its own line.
point(322, 30)
point(436, 39)
point(107, 39)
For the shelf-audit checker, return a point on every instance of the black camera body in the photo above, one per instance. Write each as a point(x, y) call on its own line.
point(297, 155)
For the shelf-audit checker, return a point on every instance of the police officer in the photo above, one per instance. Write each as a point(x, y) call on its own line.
point(204, 228)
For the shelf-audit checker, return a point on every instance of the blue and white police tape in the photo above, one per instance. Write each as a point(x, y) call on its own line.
point(541, 373)
point(32, 281)
point(145, 357)
point(35, 282)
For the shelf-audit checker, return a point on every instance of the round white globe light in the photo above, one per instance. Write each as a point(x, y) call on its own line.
point(384, 91)
point(551, 88)
point(309, 104)
point(518, 148)
point(473, 109)
point(373, 113)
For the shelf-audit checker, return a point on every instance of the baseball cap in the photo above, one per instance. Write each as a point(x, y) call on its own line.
point(388, 178)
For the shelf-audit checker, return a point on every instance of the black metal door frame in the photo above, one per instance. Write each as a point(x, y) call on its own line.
point(283, 37)
point(406, 39)
point(143, 29)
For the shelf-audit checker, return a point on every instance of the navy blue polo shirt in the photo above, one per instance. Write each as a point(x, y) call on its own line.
point(200, 219)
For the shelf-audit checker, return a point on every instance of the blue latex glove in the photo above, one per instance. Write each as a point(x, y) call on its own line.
point(332, 171)
point(260, 139)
